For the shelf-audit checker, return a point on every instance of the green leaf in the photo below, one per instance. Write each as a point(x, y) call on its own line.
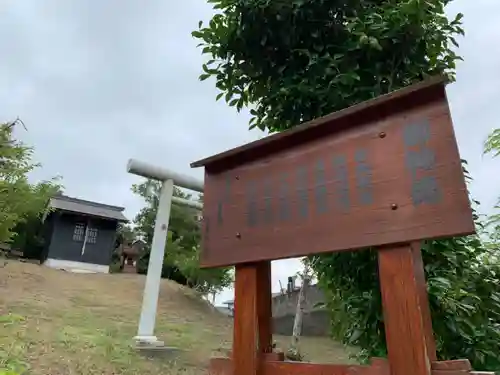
point(292, 61)
point(181, 261)
point(458, 19)
point(22, 204)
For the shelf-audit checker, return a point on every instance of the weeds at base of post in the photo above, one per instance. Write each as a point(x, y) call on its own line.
point(293, 354)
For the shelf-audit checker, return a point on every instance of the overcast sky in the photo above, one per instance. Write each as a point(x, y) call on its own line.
point(99, 82)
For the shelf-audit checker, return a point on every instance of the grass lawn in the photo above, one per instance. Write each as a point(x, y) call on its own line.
point(59, 323)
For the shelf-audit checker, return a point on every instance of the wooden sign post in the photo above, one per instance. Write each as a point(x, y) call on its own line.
point(384, 173)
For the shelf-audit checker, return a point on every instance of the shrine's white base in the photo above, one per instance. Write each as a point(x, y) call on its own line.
point(76, 267)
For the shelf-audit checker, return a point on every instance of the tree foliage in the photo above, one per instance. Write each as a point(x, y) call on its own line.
point(492, 147)
point(492, 144)
point(21, 202)
point(125, 234)
point(464, 296)
point(181, 262)
point(295, 60)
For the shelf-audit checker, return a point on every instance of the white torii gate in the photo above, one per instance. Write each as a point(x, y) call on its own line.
point(145, 333)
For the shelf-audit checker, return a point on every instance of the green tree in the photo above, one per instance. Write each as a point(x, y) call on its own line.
point(295, 60)
point(492, 144)
point(181, 262)
point(22, 203)
point(492, 147)
point(299, 59)
point(125, 234)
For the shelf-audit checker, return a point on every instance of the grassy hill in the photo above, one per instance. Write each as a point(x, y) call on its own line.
point(55, 322)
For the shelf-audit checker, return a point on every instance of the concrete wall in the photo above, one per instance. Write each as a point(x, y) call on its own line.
point(77, 267)
point(316, 321)
point(287, 303)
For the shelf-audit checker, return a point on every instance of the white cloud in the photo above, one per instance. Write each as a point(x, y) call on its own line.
point(100, 82)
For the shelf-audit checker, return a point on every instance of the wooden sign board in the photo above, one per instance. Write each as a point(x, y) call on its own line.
point(382, 172)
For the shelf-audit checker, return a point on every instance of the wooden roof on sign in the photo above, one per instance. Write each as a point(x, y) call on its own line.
point(318, 127)
point(382, 172)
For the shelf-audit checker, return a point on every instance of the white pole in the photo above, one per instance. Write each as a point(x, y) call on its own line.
point(85, 236)
point(187, 202)
point(145, 335)
point(143, 169)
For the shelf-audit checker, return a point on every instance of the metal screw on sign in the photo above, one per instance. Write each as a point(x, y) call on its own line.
point(394, 206)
